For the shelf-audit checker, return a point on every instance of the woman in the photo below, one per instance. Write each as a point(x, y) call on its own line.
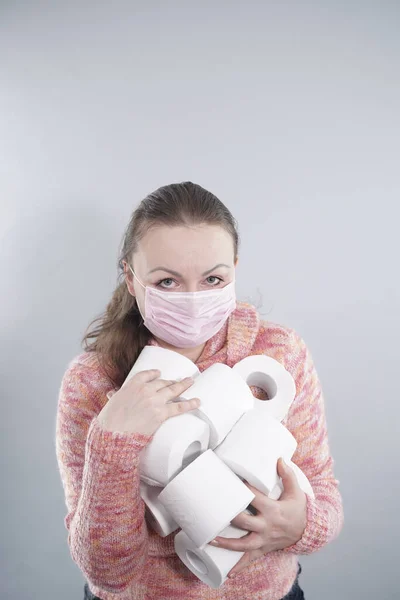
point(179, 238)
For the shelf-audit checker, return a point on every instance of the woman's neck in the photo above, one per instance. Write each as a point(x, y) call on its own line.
point(192, 354)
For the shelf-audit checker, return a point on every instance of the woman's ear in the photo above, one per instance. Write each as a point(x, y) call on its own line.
point(128, 278)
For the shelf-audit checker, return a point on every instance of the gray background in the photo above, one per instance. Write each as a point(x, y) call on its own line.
point(289, 112)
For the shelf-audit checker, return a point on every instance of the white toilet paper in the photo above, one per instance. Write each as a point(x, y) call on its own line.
point(159, 519)
point(224, 398)
point(205, 497)
point(270, 375)
point(175, 444)
point(210, 564)
point(302, 479)
point(253, 446)
point(171, 364)
point(150, 481)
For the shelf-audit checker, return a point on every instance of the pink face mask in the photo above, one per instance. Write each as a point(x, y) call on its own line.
point(187, 319)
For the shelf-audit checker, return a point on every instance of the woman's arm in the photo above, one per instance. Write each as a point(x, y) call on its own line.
point(306, 420)
point(108, 537)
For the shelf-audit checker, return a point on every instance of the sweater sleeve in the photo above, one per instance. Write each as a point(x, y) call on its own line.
point(107, 531)
point(306, 420)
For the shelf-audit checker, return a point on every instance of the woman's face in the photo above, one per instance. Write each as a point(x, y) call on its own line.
point(182, 259)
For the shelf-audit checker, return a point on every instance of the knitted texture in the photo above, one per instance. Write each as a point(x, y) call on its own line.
point(109, 538)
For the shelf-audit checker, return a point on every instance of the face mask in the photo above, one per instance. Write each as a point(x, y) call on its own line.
point(187, 319)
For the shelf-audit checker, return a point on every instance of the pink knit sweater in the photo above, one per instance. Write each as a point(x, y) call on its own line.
point(122, 557)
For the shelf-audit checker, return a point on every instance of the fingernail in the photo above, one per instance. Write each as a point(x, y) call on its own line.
point(214, 542)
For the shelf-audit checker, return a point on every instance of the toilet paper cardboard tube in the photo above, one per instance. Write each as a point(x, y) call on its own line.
point(271, 376)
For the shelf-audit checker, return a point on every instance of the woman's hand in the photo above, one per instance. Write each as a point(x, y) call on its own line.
point(278, 523)
point(145, 402)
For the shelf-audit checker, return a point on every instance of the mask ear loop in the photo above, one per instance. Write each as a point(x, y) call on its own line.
point(137, 311)
point(135, 305)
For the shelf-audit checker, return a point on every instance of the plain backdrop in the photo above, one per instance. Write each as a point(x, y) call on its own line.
point(289, 113)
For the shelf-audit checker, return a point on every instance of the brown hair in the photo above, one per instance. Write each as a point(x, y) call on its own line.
point(121, 335)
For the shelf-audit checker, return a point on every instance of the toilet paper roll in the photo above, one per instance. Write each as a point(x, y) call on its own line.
point(270, 375)
point(224, 398)
point(211, 564)
point(205, 497)
point(171, 364)
point(158, 518)
point(302, 479)
point(253, 446)
point(176, 443)
point(150, 481)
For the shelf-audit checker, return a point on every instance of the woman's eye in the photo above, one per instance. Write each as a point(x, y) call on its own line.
point(163, 280)
point(215, 277)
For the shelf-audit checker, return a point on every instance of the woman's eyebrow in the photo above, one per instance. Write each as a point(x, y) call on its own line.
point(179, 275)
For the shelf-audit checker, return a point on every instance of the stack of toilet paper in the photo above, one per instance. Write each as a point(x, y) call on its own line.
point(193, 469)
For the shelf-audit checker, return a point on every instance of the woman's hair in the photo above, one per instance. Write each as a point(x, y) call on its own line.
point(121, 335)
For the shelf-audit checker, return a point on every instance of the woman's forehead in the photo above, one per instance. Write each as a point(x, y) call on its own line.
point(184, 244)
point(205, 240)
